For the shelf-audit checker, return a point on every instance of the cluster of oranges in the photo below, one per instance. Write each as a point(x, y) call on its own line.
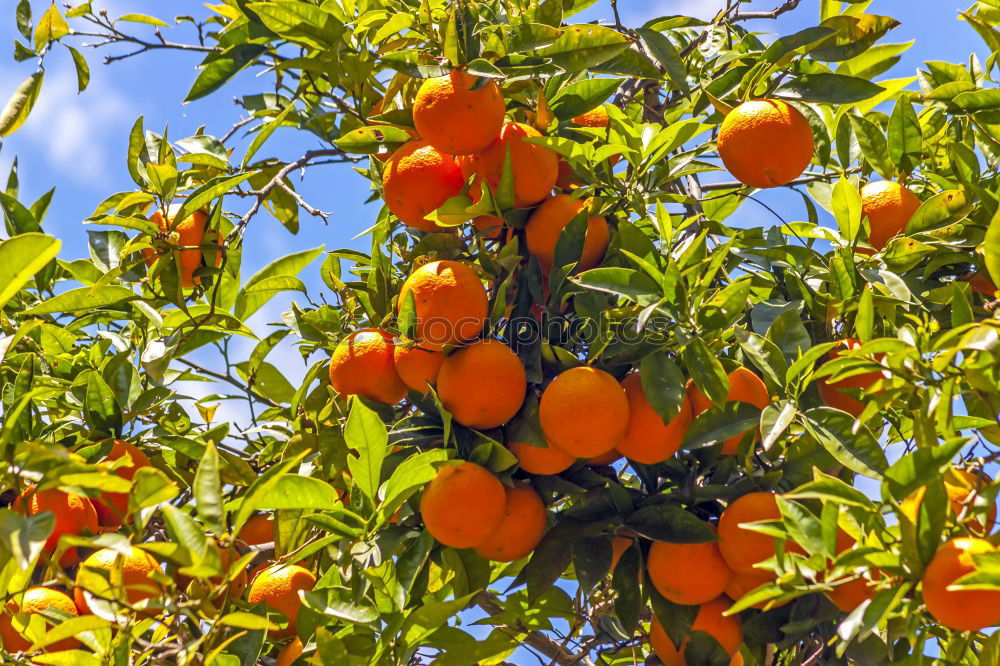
point(130, 580)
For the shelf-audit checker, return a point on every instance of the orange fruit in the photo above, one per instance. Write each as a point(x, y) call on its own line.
point(605, 459)
point(534, 167)
point(687, 573)
point(108, 574)
point(520, 529)
point(737, 660)
point(74, 514)
point(961, 610)
point(449, 301)
point(363, 364)
point(112, 508)
point(744, 386)
point(540, 460)
point(289, 653)
point(190, 235)
point(619, 544)
point(482, 384)
point(566, 178)
point(417, 180)
point(490, 226)
point(742, 584)
point(35, 601)
point(227, 556)
point(851, 594)
point(417, 367)
point(960, 485)
point(727, 630)
point(455, 116)
point(888, 207)
point(546, 224)
point(278, 587)
point(765, 143)
point(258, 530)
point(462, 505)
point(597, 117)
point(833, 394)
point(981, 283)
point(740, 547)
point(648, 440)
point(584, 412)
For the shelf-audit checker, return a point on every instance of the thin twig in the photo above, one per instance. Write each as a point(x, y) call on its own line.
point(788, 6)
point(230, 380)
point(536, 639)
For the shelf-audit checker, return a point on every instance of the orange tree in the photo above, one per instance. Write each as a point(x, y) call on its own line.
point(559, 395)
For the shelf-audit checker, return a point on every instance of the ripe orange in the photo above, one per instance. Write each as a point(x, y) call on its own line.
point(258, 530)
point(833, 394)
point(455, 116)
point(450, 303)
point(687, 573)
point(289, 653)
point(540, 460)
point(535, 168)
point(981, 283)
point(278, 587)
point(483, 384)
point(112, 508)
point(417, 367)
point(594, 118)
point(34, 601)
point(584, 412)
point(888, 207)
point(727, 630)
point(522, 526)
point(417, 180)
point(744, 386)
point(547, 223)
point(765, 143)
point(648, 440)
point(605, 459)
point(742, 584)
point(742, 548)
point(362, 364)
point(227, 556)
point(490, 226)
point(848, 596)
point(619, 544)
point(108, 574)
point(190, 235)
point(961, 610)
point(74, 514)
point(960, 485)
point(463, 505)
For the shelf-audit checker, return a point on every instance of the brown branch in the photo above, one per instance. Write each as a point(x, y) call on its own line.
point(536, 639)
point(813, 178)
point(788, 6)
point(230, 380)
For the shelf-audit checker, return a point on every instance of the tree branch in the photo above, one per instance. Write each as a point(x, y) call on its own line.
point(706, 187)
point(229, 380)
point(536, 639)
point(788, 6)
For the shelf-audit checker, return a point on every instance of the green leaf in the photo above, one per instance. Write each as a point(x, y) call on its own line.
point(82, 69)
point(672, 524)
point(22, 16)
point(803, 527)
point(666, 54)
point(264, 134)
point(150, 487)
point(372, 139)
point(219, 68)
point(51, 26)
point(20, 104)
point(663, 384)
point(581, 47)
point(84, 298)
point(939, 211)
point(365, 433)
point(21, 257)
point(624, 282)
point(293, 491)
point(582, 96)
point(873, 145)
point(829, 88)
point(704, 368)
point(783, 46)
point(271, 279)
point(427, 618)
point(846, 202)
point(23, 538)
point(717, 424)
point(905, 139)
point(138, 153)
point(991, 248)
point(100, 407)
point(978, 100)
point(208, 490)
point(411, 474)
point(142, 18)
point(857, 450)
point(209, 192)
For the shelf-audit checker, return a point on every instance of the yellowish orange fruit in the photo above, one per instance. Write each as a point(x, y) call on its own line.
point(540, 460)
point(888, 207)
point(961, 486)
point(742, 584)
point(687, 573)
point(648, 439)
point(741, 547)
point(34, 601)
point(109, 574)
point(584, 412)
point(289, 653)
point(765, 143)
point(546, 224)
point(597, 117)
point(520, 529)
point(727, 630)
point(961, 610)
point(744, 386)
point(258, 530)
point(278, 587)
point(455, 116)
point(417, 180)
point(463, 505)
point(482, 384)
point(363, 364)
point(450, 303)
point(833, 394)
point(534, 167)
point(74, 514)
point(191, 235)
point(112, 508)
point(417, 367)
